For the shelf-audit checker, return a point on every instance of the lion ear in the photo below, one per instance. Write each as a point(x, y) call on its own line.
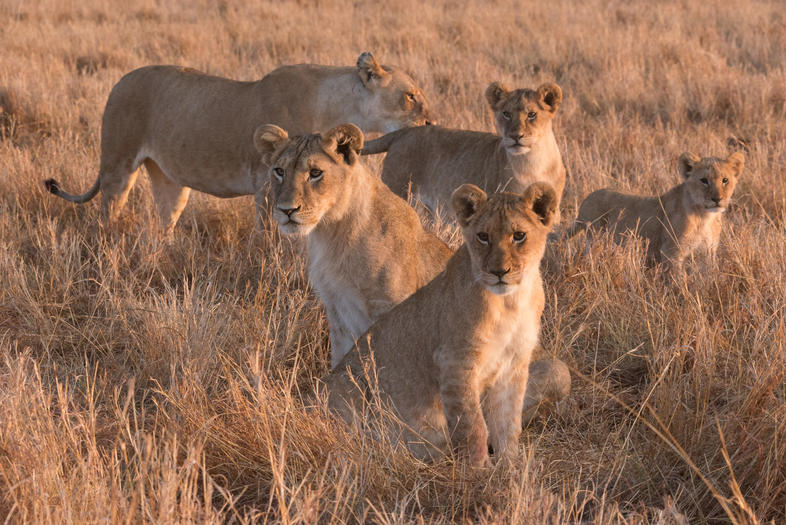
point(268, 139)
point(550, 96)
point(495, 94)
point(346, 141)
point(467, 200)
point(687, 163)
point(736, 161)
point(541, 199)
point(371, 73)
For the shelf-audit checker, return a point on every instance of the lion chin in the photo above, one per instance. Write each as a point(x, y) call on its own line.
point(500, 288)
point(295, 229)
point(518, 149)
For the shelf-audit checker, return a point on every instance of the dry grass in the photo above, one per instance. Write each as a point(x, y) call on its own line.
point(147, 382)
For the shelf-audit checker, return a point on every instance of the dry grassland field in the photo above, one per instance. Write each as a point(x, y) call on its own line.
point(143, 380)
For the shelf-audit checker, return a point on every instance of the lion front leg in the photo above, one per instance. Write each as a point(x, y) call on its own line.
point(503, 406)
point(461, 401)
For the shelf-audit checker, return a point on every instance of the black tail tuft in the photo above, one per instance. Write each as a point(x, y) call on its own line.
point(52, 186)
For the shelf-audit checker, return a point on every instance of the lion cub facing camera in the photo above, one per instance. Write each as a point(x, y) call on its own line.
point(453, 358)
point(676, 223)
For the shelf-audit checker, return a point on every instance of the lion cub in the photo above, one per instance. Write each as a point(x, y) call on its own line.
point(453, 358)
point(676, 223)
point(432, 161)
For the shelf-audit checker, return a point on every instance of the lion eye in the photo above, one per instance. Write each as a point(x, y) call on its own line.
point(506, 115)
point(279, 173)
point(519, 237)
point(725, 181)
point(532, 116)
point(705, 181)
point(483, 238)
point(315, 175)
point(411, 97)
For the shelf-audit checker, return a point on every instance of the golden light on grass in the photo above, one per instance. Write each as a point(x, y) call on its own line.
point(146, 381)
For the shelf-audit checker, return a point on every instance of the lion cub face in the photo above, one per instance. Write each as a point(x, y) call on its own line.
point(523, 116)
point(309, 174)
point(505, 233)
point(710, 181)
point(396, 101)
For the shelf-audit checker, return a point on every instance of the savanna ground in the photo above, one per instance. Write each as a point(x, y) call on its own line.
point(142, 381)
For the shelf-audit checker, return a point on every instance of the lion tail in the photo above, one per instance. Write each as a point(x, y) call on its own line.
point(54, 187)
point(383, 143)
point(576, 228)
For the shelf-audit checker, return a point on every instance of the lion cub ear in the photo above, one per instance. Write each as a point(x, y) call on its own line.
point(550, 96)
point(467, 200)
point(268, 139)
point(736, 161)
point(346, 141)
point(496, 94)
point(541, 198)
point(371, 73)
point(687, 163)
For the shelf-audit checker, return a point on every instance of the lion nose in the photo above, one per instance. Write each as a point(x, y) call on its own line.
point(429, 123)
point(716, 200)
point(289, 211)
point(500, 273)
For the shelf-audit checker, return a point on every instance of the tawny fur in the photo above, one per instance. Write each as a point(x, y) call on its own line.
point(453, 358)
point(432, 161)
point(367, 248)
point(686, 218)
point(193, 131)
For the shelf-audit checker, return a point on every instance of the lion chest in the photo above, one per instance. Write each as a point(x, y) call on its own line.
point(707, 233)
point(699, 232)
point(505, 344)
point(345, 304)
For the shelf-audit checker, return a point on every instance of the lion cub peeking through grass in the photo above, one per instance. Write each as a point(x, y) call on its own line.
point(685, 218)
point(453, 358)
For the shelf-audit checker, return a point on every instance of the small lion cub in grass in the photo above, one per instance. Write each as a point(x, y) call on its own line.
point(676, 223)
point(452, 359)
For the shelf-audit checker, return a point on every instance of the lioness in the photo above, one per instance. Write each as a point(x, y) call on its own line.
point(433, 161)
point(367, 249)
point(453, 358)
point(193, 130)
point(676, 223)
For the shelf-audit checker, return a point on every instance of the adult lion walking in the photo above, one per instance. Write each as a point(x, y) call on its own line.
point(194, 131)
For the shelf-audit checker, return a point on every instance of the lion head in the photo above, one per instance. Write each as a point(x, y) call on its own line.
point(395, 98)
point(504, 233)
point(523, 116)
point(309, 174)
point(710, 181)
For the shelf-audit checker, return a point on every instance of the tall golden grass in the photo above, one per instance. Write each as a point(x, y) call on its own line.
point(146, 381)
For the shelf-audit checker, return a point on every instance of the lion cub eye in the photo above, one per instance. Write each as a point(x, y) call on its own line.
point(725, 181)
point(483, 238)
point(519, 237)
point(279, 173)
point(506, 115)
point(531, 116)
point(705, 181)
point(315, 175)
point(411, 97)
